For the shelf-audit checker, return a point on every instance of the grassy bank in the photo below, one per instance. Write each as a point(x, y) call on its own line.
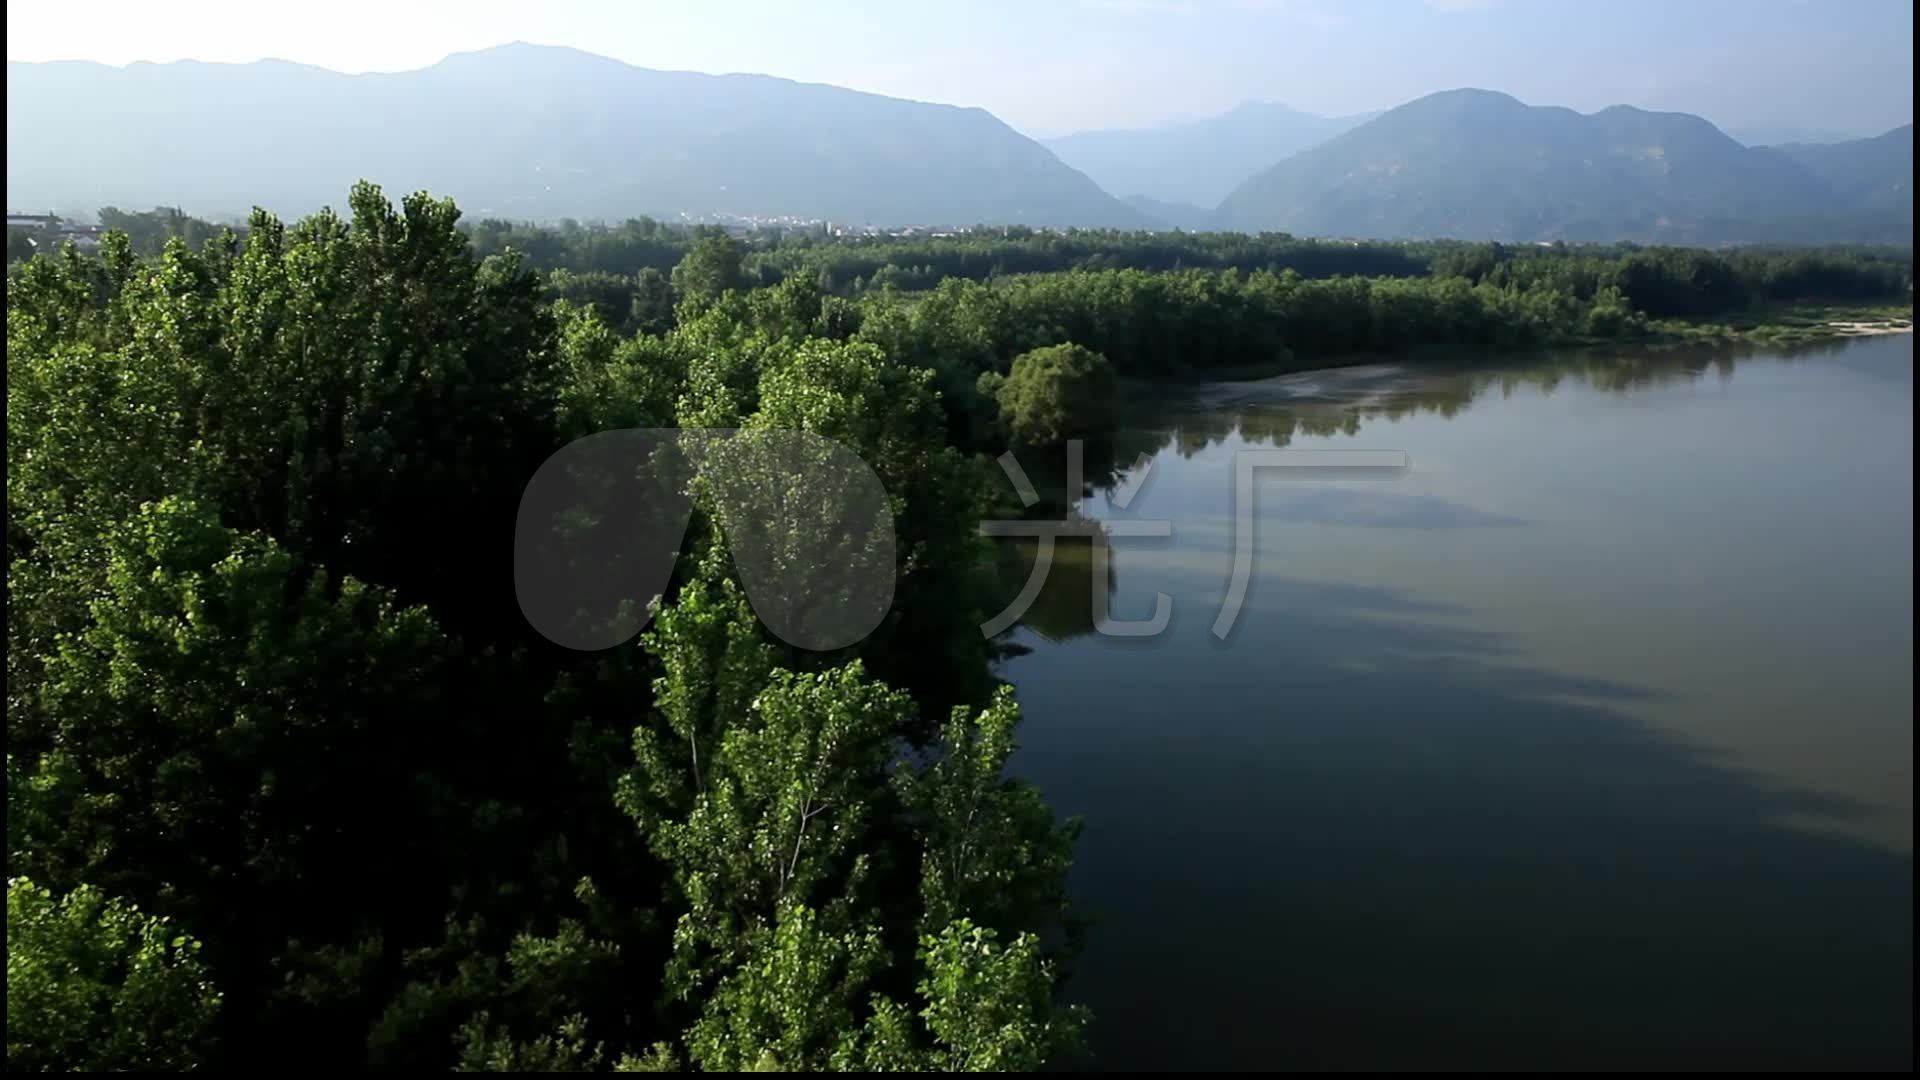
point(1793, 322)
point(1785, 324)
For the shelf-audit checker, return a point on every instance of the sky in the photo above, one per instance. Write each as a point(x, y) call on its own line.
point(1049, 67)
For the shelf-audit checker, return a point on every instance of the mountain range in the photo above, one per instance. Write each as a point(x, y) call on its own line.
point(1475, 163)
point(539, 133)
point(1200, 161)
point(525, 131)
point(1781, 134)
point(1875, 174)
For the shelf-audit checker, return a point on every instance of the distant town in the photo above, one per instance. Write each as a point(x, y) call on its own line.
point(49, 231)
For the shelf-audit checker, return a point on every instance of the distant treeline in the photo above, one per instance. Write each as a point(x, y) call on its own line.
point(1668, 282)
point(1209, 322)
point(615, 269)
point(921, 261)
point(1152, 303)
point(1165, 304)
point(606, 264)
point(1196, 318)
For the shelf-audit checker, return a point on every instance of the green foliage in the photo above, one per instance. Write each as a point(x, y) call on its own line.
point(267, 678)
point(651, 309)
point(989, 1006)
point(94, 984)
point(354, 390)
point(991, 850)
point(924, 262)
point(191, 739)
point(611, 382)
point(711, 267)
point(150, 232)
point(1058, 393)
point(792, 1004)
point(234, 479)
point(788, 846)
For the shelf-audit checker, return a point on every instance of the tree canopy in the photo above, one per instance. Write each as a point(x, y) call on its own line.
point(1057, 393)
point(267, 681)
point(270, 689)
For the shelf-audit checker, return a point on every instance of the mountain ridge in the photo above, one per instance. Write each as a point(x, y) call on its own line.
point(1196, 161)
point(529, 131)
point(547, 132)
point(1471, 163)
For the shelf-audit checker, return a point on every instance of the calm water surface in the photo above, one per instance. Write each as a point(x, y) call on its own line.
point(1587, 741)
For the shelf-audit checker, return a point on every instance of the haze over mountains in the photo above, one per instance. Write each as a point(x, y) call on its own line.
point(524, 131)
point(1475, 163)
point(1200, 161)
point(1874, 174)
point(1781, 134)
point(540, 133)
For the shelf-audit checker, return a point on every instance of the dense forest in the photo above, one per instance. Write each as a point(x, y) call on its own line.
point(288, 769)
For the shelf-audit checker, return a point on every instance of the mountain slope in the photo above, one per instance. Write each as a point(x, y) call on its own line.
point(524, 131)
point(1872, 174)
point(1776, 135)
point(1481, 165)
point(1198, 162)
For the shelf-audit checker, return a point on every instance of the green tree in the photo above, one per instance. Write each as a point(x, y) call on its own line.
point(234, 477)
point(1057, 393)
point(711, 267)
point(653, 302)
point(191, 743)
point(265, 676)
point(769, 795)
point(94, 984)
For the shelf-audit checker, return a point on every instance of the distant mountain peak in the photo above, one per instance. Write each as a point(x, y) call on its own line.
point(1473, 93)
point(1479, 164)
point(528, 131)
point(520, 51)
point(1461, 98)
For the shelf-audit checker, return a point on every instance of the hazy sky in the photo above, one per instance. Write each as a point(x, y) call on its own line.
point(1052, 66)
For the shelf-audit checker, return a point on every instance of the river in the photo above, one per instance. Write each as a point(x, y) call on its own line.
point(1585, 740)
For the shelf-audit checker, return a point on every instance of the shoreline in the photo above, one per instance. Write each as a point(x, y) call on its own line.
point(1865, 329)
point(1702, 333)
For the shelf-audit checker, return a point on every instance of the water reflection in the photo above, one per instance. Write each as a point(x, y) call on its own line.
point(1378, 510)
point(1385, 841)
point(1274, 412)
point(1063, 610)
point(1317, 406)
point(1587, 745)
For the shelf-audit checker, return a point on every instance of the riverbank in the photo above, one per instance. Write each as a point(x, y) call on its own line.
point(1783, 325)
point(1797, 322)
